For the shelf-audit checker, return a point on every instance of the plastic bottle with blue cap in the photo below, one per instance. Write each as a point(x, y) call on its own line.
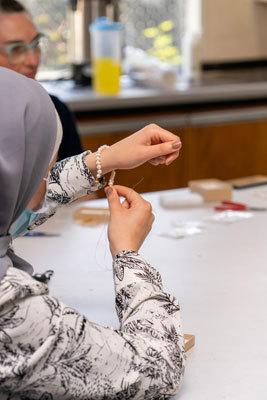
point(106, 52)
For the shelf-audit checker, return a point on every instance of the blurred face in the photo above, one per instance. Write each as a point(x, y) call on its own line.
point(18, 27)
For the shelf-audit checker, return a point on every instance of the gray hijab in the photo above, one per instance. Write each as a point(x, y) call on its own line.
point(28, 128)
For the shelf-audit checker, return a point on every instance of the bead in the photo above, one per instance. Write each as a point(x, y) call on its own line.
point(111, 179)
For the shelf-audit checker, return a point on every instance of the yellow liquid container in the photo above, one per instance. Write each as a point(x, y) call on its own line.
point(106, 49)
point(106, 75)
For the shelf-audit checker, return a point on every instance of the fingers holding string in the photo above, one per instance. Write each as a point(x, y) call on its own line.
point(113, 194)
point(161, 135)
point(167, 160)
point(125, 204)
point(157, 160)
point(130, 195)
point(158, 153)
point(171, 157)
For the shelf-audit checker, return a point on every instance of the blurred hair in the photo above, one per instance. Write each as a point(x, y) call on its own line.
point(11, 6)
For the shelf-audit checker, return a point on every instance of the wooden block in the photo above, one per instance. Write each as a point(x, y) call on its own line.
point(248, 181)
point(211, 189)
point(91, 215)
point(189, 341)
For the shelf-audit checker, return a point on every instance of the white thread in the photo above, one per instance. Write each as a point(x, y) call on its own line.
point(112, 178)
point(99, 172)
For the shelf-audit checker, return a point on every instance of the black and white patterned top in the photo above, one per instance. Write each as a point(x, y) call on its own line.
point(48, 351)
point(68, 180)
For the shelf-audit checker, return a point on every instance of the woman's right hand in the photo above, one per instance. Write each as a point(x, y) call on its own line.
point(130, 221)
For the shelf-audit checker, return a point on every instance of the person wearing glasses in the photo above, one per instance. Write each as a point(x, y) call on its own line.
point(20, 50)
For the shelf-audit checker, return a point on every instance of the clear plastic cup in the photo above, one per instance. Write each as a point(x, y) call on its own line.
point(106, 46)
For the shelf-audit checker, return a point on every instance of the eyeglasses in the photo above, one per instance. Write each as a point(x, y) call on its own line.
point(17, 52)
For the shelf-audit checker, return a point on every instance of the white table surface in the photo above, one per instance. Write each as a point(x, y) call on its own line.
point(219, 277)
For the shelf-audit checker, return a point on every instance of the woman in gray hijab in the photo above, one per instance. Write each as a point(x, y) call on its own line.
point(47, 349)
point(25, 131)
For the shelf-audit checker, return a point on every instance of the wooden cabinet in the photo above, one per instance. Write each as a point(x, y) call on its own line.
point(227, 151)
point(223, 151)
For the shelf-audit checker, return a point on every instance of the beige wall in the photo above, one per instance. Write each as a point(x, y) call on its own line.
point(234, 30)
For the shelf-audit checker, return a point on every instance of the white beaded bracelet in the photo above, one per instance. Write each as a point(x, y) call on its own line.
point(99, 172)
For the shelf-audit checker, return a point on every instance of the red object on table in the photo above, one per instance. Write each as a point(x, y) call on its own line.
point(231, 205)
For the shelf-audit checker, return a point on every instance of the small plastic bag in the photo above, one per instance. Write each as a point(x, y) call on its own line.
point(182, 229)
point(229, 216)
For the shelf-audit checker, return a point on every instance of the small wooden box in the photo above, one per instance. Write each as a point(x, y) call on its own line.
point(189, 341)
point(211, 189)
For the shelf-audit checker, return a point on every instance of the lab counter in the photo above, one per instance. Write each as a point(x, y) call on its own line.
point(82, 99)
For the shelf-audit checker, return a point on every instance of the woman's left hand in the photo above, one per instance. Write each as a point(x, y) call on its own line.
point(152, 143)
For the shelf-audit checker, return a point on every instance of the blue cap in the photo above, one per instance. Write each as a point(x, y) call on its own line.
point(104, 24)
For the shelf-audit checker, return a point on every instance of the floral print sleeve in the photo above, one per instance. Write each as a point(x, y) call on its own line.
point(50, 351)
point(150, 322)
point(68, 180)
